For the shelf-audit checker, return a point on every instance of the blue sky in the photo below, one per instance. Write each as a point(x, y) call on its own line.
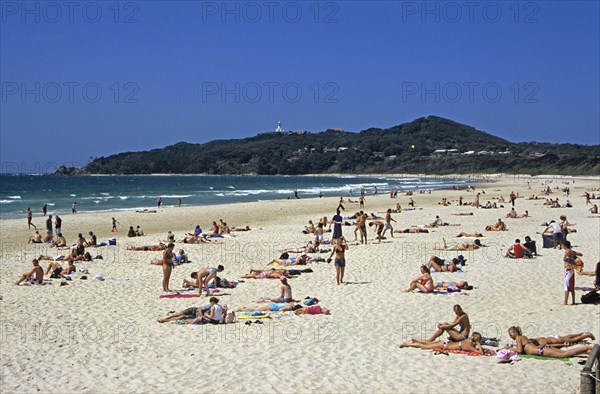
point(104, 77)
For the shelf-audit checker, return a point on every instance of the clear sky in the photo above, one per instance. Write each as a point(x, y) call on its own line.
point(85, 79)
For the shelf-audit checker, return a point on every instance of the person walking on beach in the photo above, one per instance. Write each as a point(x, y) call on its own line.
point(58, 225)
point(29, 218)
point(340, 259)
point(388, 223)
point(49, 224)
point(512, 198)
point(114, 226)
point(179, 202)
point(74, 207)
point(44, 209)
point(340, 206)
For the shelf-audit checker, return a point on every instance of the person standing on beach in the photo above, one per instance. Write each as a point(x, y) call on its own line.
point(49, 224)
point(361, 201)
point(512, 198)
point(569, 279)
point(363, 228)
point(477, 200)
point(167, 265)
point(159, 202)
point(340, 259)
point(114, 225)
point(337, 226)
point(74, 207)
point(179, 201)
point(29, 218)
point(58, 225)
point(44, 209)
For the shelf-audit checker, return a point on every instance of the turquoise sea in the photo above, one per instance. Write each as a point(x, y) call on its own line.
point(114, 193)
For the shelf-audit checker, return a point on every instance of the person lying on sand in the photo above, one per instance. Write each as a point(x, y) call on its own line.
point(210, 314)
point(310, 247)
point(498, 226)
point(471, 344)
point(282, 307)
point(445, 265)
point(266, 274)
point(35, 276)
point(151, 248)
point(462, 214)
point(423, 282)
point(460, 284)
point(525, 345)
point(412, 230)
point(461, 245)
point(200, 239)
point(566, 340)
point(302, 260)
point(470, 235)
point(146, 211)
point(457, 331)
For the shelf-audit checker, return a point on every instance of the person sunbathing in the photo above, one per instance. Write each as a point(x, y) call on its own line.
point(152, 248)
point(58, 271)
point(498, 226)
point(271, 307)
point(35, 276)
point(457, 331)
point(444, 265)
point(470, 235)
point(285, 295)
point(412, 230)
point(266, 274)
point(312, 310)
point(461, 246)
point(209, 314)
point(471, 344)
point(36, 238)
point(247, 228)
point(302, 260)
point(200, 239)
point(460, 284)
point(422, 282)
point(566, 340)
point(523, 215)
point(525, 345)
point(60, 242)
point(462, 214)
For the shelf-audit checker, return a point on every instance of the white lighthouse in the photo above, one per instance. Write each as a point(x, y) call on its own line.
point(279, 128)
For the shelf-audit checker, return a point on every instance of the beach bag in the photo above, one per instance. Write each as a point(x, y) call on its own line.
point(112, 241)
point(507, 355)
point(590, 298)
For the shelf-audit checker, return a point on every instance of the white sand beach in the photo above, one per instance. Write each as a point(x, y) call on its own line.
point(102, 336)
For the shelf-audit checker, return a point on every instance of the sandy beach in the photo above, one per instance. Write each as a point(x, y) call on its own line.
point(102, 336)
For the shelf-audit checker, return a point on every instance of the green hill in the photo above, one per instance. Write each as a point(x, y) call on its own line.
point(409, 147)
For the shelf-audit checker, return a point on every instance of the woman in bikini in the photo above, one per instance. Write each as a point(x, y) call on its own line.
point(525, 345)
point(340, 259)
point(167, 265)
point(461, 320)
point(472, 344)
point(150, 248)
point(265, 274)
point(569, 258)
point(205, 275)
point(461, 246)
point(422, 282)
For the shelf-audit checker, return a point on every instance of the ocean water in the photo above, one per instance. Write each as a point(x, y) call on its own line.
point(114, 193)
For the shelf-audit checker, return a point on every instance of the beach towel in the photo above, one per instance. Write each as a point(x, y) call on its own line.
point(486, 353)
point(253, 315)
point(176, 295)
point(538, 357)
